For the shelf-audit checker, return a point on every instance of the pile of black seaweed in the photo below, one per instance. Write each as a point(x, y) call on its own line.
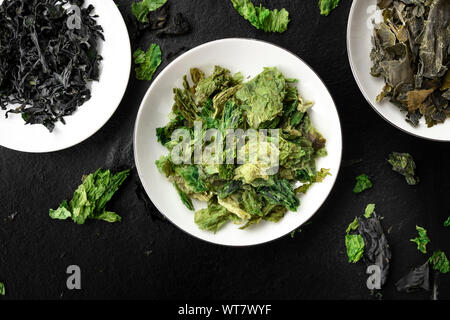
point(48, 56)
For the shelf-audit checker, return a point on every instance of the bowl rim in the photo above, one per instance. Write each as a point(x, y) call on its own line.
point(144, 99)
point(361, 87)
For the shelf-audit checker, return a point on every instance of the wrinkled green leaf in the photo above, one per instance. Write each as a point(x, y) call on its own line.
point(355, 247)
point(369, 210)
point(212, 218)
point(421, 240)
point(326, 6)
point(184, 198)
point(90, 199)
point(263, 96)
point(147, 62)
point(262, 18)
point(362, 183)
point(447, 222)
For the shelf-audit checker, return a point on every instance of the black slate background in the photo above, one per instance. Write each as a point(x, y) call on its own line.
point(147, 257)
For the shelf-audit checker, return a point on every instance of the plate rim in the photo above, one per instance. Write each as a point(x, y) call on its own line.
point(364, 93)
point(76, 142)
point(138, 116)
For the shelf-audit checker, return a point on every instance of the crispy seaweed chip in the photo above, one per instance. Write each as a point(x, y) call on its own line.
point(411, 52)
point(46, 61)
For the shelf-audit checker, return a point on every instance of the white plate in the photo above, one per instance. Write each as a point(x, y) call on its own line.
point(92, 115)
point(248, 57)
point(359, 45)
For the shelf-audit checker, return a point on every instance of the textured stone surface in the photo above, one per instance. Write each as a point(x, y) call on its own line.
point(147, 257)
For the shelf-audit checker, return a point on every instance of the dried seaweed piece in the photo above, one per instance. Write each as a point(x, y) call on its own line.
point(418, 278)
point(261, 17)
point(46, 66)
point(326, 6)
point(404, 164)
point(365, 238)
point(141, 9)
point(362, 183)
point(421, 240)
point(147, 62)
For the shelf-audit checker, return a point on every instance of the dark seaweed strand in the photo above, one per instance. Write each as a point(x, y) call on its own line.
point(45, 67)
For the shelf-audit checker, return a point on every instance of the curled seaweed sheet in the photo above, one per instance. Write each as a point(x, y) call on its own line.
point(377, 250)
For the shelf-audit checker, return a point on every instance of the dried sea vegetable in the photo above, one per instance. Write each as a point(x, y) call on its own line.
point(244, 193)
point(418, 278)
point(90, 198)
point(147, 62)
point(362, 183)
point(263, 18)
point(421, 240)
point(326, 6)
point(366, 239)
point(411, 52)
point(141, 9)
point(47, 61)
point(404, 164)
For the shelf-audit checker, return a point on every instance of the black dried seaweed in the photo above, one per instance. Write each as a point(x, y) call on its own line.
point(411, 52)
point(46, 65)
point(376, 249)
point(157, 19)
point(418, 278)
point(371, 241)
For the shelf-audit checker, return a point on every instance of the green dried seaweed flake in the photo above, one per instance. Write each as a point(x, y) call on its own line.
point(141, 9)
point(90, 198)
point(362, 183)
point(421, 240)
point(262, 18)
point(355, 247)
point(326, 6)
point(404, 164)
point(439, 262)
point(370, 209)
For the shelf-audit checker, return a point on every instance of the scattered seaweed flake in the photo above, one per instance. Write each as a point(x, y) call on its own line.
point(47, 60)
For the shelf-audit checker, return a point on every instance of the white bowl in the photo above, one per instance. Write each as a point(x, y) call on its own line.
point(359, 45)
point(92, 115)
point(248, 57)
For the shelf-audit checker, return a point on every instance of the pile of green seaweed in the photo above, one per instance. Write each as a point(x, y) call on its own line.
point(48, 57)
point(245, 193)
point(411, 52)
